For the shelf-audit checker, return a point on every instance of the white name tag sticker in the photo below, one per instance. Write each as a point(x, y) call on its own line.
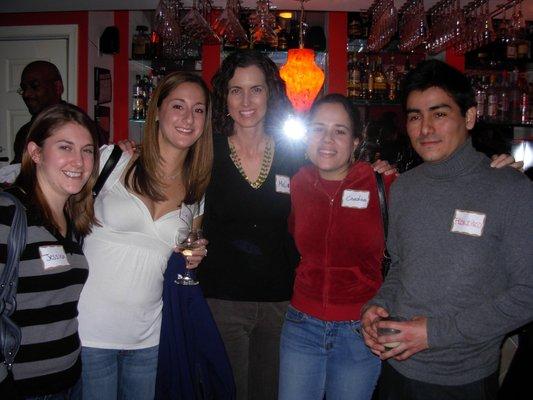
point(355, 198)
point(53, 256)
point(468, 222)
point(283, 184)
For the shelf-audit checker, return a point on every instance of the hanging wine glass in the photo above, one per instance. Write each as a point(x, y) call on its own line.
point(168, 27)
point(197, 28)
point(228, 27)
point(262, 24)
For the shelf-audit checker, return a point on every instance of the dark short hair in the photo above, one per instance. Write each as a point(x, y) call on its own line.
point(435, 73)
point(278, 104)
point(45, 66)
point(353, 113)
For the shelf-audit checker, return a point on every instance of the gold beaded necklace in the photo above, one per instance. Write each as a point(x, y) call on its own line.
point(265, 163)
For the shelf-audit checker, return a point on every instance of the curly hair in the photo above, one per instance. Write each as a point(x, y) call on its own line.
point(278, 104)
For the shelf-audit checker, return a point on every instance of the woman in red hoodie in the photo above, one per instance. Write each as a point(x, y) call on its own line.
point(337, 226)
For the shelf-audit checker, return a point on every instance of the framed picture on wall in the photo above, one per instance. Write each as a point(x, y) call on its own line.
point(102, 85)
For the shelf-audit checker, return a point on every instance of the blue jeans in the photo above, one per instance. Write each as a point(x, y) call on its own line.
point(320, 358)
point(73, 393)
point(109, 374)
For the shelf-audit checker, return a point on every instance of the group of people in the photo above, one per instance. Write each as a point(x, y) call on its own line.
point(291, 264)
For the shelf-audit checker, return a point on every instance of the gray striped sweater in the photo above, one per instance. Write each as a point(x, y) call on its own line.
point(49, 357)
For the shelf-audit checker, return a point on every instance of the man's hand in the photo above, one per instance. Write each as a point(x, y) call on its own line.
point(413, 338)
point(504, 160)
point(383, 167)
point(368, 321)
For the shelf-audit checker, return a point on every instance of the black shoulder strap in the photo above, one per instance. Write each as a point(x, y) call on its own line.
point(385, 263)
point(10, 335)
point(383, 203)
point(109, 166)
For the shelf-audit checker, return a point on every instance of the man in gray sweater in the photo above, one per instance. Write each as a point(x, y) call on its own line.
point(461, 242)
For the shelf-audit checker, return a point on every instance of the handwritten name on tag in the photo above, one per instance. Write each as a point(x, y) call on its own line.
point(468, 222)
point(355, 198)
point(283, 184)
point(53, 257)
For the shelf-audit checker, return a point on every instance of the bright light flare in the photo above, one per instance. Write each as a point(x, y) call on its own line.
point(294, 128)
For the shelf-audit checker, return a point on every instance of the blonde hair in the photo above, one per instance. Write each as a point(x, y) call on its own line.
point(142, 176)
point(79, 206)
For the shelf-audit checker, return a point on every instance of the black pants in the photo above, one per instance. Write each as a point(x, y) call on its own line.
point(517, 382)
point(395, 386)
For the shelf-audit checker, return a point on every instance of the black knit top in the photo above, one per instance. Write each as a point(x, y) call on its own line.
point(251, 256)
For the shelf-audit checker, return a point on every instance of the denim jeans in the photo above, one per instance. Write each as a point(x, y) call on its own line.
point(320, 358)
point(109, 374)
point(395, 386)
point(73, 393)
point(251, 331)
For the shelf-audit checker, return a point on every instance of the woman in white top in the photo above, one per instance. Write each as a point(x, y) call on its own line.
point(145, 202)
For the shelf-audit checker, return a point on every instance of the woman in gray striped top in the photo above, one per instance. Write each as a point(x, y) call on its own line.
point(57, 175)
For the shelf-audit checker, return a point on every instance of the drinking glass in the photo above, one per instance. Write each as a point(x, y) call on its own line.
point(185, 247)
point(390, 331)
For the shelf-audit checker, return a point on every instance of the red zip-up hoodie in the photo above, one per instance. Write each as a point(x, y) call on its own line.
point(340, 239)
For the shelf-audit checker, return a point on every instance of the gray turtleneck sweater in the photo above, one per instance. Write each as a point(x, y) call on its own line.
point(461, 241)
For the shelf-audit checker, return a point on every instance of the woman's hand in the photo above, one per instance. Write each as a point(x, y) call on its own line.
point(383, 167)
point(128, 146)
point(504, 160)
point(194, 256)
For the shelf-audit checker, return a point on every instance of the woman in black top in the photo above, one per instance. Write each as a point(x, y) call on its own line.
point(248, 274)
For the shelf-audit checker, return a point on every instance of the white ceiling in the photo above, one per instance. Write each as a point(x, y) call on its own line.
point(321, 5)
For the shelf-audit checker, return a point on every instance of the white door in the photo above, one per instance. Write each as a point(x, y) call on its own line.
point(15, 54)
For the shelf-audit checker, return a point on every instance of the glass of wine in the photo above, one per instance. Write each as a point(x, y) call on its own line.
point(186, 247)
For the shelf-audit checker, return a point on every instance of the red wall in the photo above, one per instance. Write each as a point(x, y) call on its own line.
point(80, 18)
point(337, 38)
point(120, 79)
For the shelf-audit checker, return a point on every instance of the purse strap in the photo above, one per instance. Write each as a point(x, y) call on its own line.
point(10, 335)
point(383, 204)
point(109, 166)
point(385, 264)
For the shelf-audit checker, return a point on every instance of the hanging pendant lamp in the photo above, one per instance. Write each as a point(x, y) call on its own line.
point(303, 78)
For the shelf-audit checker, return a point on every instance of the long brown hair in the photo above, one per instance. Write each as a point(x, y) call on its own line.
point(79, 206)
point(198, 162)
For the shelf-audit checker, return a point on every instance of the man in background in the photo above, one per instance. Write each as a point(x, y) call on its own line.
point(40, 86)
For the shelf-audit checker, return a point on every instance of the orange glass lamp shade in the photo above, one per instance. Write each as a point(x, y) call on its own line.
point(303, 78)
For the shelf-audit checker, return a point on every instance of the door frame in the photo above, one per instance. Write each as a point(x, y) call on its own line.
point(36, 32)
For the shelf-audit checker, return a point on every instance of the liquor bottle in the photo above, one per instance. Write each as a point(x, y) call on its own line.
point(349, 80)
point(522, 45)
point(283, 35)
point(140, 44)
point(138, 105)
point(511, 51)
point(492, 99)
point(503, 97)
point(481, 99)
point(369, 79)
point(380, 81)
point(514, 96)
point(392, 80)
point(363, 68)
point(524, 102)
point(154, 45)
point(355, 77)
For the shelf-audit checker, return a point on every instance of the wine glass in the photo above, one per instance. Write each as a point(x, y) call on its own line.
point(186, 247)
